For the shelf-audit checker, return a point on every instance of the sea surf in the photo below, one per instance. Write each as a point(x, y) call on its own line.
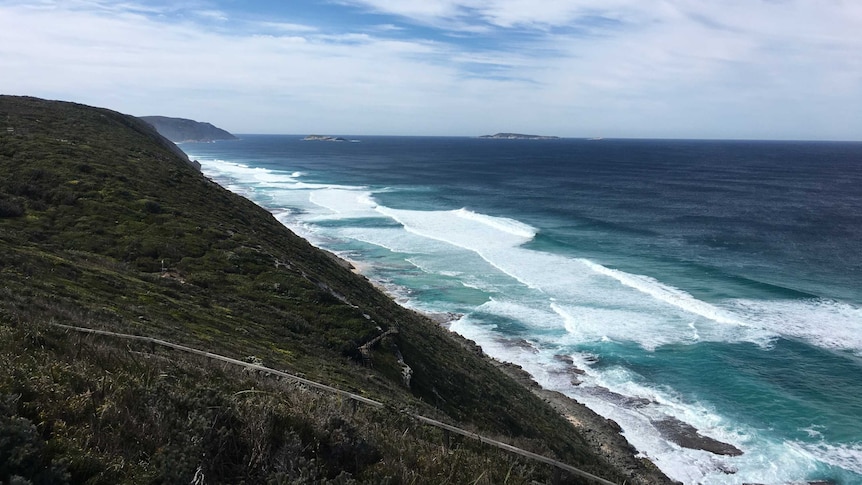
point(704, 286)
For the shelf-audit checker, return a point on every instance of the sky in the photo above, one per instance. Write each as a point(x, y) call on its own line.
point(738, 69)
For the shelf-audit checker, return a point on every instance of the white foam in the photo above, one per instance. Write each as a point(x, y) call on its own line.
point(665, 293)
point(393, 239)
point(594, 302)
point(813, 431)
point(346, 203)
point(846, 456)
point(462, 228)
point(263, 177)
point(244, 173)
point(517, 311)
point(587, 324)
point(503, 224)
point(825, 323)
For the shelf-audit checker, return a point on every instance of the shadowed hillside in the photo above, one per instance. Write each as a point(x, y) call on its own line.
point(181, 129)
point(104, 225)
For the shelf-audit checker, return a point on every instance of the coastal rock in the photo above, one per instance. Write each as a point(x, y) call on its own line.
point(517, 373)
point(564, 359)
point(687, 436)
point(602, 434)
point(614, 425)
point(444, 318)
point(521, 343)
point(619, 399)
point(570, 369)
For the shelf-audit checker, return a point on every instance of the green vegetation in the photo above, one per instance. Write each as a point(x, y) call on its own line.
point(103, 225)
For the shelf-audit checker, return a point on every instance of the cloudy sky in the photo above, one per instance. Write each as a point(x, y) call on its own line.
point(763, 69)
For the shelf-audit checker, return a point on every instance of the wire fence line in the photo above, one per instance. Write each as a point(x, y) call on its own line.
point(349, 395)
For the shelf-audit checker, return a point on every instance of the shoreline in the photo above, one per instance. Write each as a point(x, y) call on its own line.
point(669, 430)
point(603, 435)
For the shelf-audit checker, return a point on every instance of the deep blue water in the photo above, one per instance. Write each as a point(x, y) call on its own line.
point(718, 280)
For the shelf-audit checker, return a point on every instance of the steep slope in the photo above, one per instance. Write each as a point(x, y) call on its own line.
point(181, 129)
point(103, 225)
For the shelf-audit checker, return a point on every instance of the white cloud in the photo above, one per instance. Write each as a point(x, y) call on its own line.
point(136, 64)
point(285, 27)
point(729, 68)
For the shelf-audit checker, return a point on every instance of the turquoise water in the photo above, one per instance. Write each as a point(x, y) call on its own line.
point(713, 282)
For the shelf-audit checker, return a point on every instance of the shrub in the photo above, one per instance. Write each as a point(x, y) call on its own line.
point(152, 207)
point(23, 457)
point(11, 208)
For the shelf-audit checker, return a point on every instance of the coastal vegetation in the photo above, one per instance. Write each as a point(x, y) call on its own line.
point(104, 225)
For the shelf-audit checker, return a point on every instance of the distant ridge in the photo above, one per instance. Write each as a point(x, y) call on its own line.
point(519, 136)
point(180, 130)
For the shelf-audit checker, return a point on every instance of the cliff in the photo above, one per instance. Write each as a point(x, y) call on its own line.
point(182, 130)
point(104, 226)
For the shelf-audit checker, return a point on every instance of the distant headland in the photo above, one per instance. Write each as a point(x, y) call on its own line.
point(180, 130)
point(519, 136)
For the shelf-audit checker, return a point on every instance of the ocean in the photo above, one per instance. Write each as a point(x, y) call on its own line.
point(713, 283)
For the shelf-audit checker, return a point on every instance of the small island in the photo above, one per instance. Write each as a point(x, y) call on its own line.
point(323, 138)
point(519, 136)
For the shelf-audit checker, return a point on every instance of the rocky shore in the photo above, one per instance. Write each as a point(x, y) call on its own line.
point(604, 435)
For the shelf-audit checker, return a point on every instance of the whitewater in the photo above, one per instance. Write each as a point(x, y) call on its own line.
point(656, 322)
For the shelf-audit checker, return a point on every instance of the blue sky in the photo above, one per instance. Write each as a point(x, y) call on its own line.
point(761, 69)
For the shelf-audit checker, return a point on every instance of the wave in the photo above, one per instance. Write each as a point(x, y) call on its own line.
point(243, 174)
point(560, 303)
point(345, 203)
point(824, 323)
point(585, 298)
point(463, 228)
point(844, 456)
point(585, 324)
point(509, 226)
point(665, 293)
point(595, 302)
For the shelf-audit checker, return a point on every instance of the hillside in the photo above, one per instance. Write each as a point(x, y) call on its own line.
point(180, 129)
point(103, 225)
